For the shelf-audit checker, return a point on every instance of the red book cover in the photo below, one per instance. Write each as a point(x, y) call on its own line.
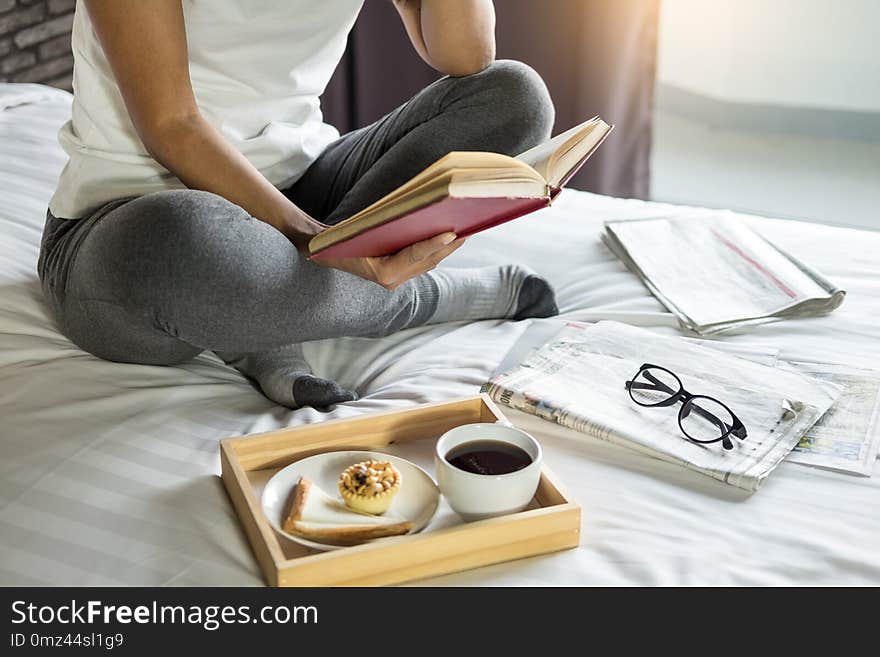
point(462, 216)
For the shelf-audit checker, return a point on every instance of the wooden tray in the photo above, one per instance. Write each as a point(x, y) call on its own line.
point(550, 523)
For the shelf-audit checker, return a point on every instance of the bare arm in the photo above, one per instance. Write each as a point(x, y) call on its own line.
point(145, 44)
point(455, 37)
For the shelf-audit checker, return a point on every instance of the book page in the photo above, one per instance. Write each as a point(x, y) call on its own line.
point(574, 153)
point(556, 158)
point(492, 165)
point(474, 174)
point(518, 181)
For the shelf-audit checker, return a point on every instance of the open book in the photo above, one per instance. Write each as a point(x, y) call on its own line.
point(464, 193)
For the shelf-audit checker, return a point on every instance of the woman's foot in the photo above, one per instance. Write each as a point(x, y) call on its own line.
point(310, 390)
point(509, 292)
point(536, 298)
point(285, 377)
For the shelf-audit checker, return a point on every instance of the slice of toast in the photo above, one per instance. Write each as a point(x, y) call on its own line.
point(314, 514)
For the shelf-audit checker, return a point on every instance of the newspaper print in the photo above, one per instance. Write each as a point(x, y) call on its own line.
point(847, 437)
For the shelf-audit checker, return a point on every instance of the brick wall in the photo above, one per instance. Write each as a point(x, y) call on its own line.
point(35, 41)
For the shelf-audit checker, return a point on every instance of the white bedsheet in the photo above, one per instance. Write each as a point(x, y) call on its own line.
point(109, 471)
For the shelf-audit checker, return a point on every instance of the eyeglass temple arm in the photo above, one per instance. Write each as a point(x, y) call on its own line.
point(658, 384)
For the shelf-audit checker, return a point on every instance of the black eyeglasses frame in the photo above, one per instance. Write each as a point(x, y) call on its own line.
point(737, 429)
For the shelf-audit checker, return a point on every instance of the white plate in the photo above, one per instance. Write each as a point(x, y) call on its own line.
point(416, 501)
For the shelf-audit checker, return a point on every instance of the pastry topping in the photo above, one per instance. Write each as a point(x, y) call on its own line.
point(369, 486)
point(369, 478)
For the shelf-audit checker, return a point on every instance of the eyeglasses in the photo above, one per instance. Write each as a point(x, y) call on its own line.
point(702, 419)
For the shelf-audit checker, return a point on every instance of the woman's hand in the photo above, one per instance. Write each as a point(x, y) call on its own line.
point(394, 270)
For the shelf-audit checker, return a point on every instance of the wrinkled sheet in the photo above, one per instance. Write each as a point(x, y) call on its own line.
point(109, 471)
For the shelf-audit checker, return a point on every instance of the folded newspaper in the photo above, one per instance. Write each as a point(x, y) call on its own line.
point(578, 380)
point(847, 437)
point(714, 273)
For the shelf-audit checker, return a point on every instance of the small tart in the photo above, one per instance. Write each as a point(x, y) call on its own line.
point(369, 486)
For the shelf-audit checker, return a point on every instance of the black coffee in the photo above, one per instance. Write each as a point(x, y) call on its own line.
point(488, 457)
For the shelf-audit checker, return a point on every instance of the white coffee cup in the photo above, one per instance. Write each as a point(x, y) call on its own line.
point(476, 496)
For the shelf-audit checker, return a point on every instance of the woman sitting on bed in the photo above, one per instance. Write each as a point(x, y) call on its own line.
point(199, 167)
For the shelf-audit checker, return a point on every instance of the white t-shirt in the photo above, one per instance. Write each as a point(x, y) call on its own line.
point(257, 69)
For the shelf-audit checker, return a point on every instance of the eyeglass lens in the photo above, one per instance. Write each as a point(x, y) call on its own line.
point(704, 419)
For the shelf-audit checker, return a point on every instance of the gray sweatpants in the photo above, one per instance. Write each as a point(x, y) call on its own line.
point(160, 278)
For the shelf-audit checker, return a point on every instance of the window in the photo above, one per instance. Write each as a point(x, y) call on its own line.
point(771, 108)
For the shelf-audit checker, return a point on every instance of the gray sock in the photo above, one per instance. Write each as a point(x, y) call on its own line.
point(512, 292)
point(285, 377)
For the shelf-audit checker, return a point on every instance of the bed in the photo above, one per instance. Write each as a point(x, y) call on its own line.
point(109, 471)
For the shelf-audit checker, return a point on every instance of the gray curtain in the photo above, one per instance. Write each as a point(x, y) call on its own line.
point(597, 57)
